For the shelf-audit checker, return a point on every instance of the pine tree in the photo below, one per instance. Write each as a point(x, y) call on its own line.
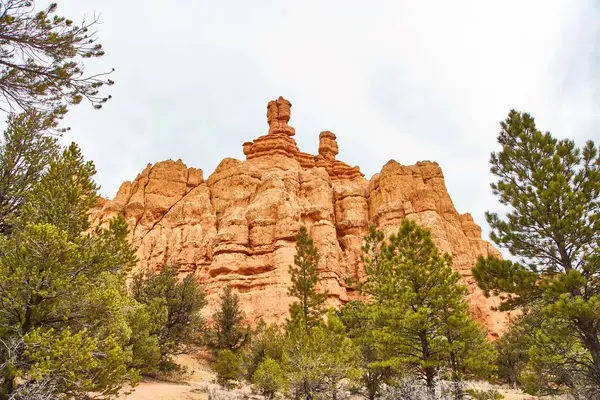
point(41, 58)
point(65, 195)
point(557, 363)
point(176, 304)
point(25, 152)
point(266, 341)
point(269, 378)
point(340, 355)
point(305, 276)
point(552, 189)
point(513, 347)
point(419, 308)
point(319, 359)
point(356, 316)
point(63, 299)
point(228, 367)
point(229, 331)
point(469, 353)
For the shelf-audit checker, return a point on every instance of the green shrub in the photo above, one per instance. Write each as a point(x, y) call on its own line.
point(228, 367)
point(269, 378)
point(265, 342)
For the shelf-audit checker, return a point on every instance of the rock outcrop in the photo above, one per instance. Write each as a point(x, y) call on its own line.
point(238, 226)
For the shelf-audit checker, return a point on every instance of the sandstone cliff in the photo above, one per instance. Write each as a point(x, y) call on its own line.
point(238, 226)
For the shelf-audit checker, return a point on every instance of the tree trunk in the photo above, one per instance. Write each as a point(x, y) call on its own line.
point(429, 371)
point(371, 394)
point(430, 382)
point(307, 392)
point(590, 340)
point(370, 381)
point(372, 390)
point(458, 393)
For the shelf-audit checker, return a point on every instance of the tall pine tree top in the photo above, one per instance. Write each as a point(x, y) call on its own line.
point(552, 190)
point(305, 276)
point(229, 331)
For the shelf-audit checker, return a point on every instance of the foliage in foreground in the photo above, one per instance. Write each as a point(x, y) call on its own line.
point(265, 342)
point(41, 58)
point(172, 308)
point(318, 361)
point(361, 328)
point(68, 325)
point(304, 275)
point(552, 189)
point(64, 306)
point(269, 378)
point(25, 153)
point(477, 394)
point(228, 367)
point(228, 331)
point(419, 310)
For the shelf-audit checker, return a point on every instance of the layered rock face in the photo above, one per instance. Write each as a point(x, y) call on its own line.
point(238, 226)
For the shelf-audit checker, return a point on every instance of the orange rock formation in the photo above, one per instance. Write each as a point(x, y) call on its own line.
point(238, 226)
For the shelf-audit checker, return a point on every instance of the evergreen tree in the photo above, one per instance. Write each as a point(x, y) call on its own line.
point(556, 362)
point(41, 58)
point(65, 195)
point(63, 299)
point(229, 331)
point(552, 189)
point(144, 322)
point(64, 309)
point(269, 378)
point(340, 355)
point(305, 276)
point(228, 367)
point(25, 152)
point(265, 342)
point(356, 316)
point(176, 304)
point(318, 360)
point(513, 347)
point(470, 354)
point(419, 308)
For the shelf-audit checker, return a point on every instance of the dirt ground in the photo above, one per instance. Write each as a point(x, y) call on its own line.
point(192, 385)
point(197, 384)
point(163, 391)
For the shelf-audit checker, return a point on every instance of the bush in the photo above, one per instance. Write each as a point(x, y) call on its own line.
point(228, 331)
point(173, 310)
point(215, 392)
point(406, 389)
point(269, 378)
point(228, 367)
point(265, 342)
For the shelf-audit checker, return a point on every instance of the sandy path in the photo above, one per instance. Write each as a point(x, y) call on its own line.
point(163, 391)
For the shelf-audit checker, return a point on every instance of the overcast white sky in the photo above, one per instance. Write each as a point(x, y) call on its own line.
point(404, 80)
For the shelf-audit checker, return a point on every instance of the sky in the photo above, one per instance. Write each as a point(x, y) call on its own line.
point(405, 80)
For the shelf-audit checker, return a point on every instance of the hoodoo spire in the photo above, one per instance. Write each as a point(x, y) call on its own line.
point(278, 116)
point(280, 141)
